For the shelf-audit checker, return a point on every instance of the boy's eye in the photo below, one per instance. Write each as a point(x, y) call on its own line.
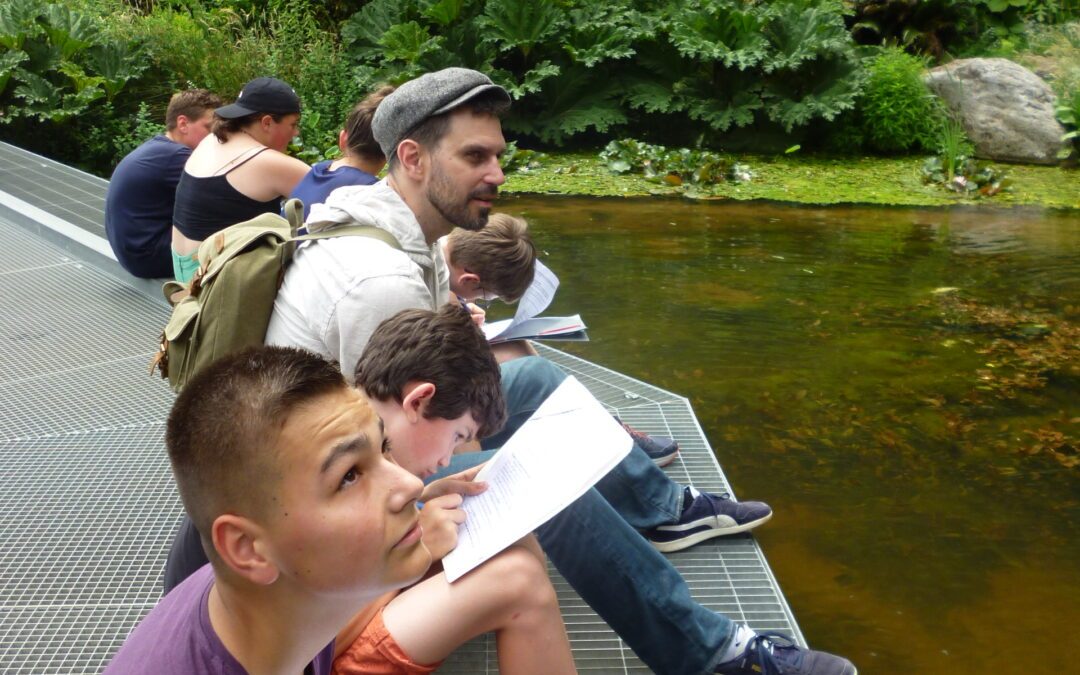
point(386, 445)
point(349, 478)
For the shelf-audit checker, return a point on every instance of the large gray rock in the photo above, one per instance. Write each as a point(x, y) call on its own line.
point(1007, 110)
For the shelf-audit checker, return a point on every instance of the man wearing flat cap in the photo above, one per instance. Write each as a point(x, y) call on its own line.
point(443, 139)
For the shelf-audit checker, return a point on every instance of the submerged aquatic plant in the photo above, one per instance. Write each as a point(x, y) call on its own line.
point(1026, 352)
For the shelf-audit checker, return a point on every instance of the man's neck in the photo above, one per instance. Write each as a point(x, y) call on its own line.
point(432, 224)
point(174, 136)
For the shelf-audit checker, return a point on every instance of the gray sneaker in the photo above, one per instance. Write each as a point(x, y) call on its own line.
point(776, 654)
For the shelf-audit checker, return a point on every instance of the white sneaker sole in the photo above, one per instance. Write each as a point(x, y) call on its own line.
point(698, 537)
point(666, 459)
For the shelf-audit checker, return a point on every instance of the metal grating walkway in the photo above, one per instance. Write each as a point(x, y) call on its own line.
point(87, 503)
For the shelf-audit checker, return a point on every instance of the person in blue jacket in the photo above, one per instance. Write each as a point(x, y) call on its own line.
point(362, 158)
point(139, 201)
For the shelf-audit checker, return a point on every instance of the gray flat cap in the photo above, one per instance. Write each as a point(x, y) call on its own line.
point(426, 96)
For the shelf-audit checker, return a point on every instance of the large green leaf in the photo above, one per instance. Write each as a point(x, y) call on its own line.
point(577, 100)
point(829, 88)
point(36, 92)
point(363, 32)
point(444, 12)
point(722, 113)
point(117, 64)
point(18, 21)
point(654, 96)
point(465, 42)
point(71, 31)
point(9, 62)
point(512, 24)
point(531, 83)
point(605, 31)
point(721, 31)
point(800, 33)
point(408, 42)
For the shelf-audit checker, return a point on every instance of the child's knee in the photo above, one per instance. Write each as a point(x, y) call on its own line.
point(523, 578)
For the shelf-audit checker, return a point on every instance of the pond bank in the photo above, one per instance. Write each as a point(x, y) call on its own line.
point(805, 180)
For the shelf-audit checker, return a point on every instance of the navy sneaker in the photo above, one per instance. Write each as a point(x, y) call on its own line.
point(660, 449)
point(705, 516)
point(776, 654)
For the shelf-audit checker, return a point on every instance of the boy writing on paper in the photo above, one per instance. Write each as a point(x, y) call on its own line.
point(414, 630)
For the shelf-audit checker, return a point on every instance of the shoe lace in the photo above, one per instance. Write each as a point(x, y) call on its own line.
point(762, 648)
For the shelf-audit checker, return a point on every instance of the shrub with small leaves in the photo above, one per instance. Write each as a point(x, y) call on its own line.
point(897, 112)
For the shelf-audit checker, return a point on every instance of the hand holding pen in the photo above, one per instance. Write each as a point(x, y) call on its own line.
point(474, 310)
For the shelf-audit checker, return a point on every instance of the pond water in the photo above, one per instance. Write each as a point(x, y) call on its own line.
point(900, 385)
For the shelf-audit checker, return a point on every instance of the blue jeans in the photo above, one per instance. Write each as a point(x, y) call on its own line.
point(595, 546)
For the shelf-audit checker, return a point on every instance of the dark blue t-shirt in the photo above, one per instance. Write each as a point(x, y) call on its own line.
point(317, 185)
point(139, 206)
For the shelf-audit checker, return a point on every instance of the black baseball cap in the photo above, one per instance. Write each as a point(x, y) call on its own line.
point(262, 95)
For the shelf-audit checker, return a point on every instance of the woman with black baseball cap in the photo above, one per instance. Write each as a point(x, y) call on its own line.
point(239, 171)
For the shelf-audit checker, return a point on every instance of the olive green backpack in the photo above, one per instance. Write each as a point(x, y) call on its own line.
point(228, 303)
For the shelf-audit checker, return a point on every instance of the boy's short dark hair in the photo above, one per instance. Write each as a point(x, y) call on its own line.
point(224, 425)
point(358, 125)
point(445, 348)
point(501, 253)
point(192, 104)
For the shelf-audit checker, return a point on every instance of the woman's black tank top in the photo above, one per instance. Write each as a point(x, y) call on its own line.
point(209, 204)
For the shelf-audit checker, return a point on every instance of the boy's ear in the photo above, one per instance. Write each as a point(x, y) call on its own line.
point(343, 142)
point(417, 397)
point(182, 123)
point(243, 546)
point(470, 281)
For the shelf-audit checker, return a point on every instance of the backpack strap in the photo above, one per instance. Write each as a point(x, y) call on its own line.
point(353, 231)
point(294, 213)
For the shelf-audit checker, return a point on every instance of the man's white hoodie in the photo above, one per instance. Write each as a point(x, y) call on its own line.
point(337, 291)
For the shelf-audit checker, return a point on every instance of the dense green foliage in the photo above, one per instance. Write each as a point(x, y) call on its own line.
point(939, 27)
point(86, 80)
point(580, 67)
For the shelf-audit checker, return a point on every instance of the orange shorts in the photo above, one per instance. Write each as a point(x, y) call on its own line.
point(376, 653)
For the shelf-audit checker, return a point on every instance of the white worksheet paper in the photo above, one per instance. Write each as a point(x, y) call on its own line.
point(539, 294)
point(567, 445)
point(536, 299)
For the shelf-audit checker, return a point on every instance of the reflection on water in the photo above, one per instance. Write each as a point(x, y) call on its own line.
point(899, 384)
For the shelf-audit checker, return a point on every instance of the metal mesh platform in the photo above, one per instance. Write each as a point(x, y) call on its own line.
point(87, 502)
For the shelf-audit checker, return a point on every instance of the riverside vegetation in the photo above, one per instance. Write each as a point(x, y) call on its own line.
point(707, 95)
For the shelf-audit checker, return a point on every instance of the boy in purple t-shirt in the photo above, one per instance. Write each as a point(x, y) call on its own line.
point(282, 465)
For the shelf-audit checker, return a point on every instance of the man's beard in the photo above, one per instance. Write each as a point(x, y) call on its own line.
point(441, 195)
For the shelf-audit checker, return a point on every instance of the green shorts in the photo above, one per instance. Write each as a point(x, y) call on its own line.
point(184, 266)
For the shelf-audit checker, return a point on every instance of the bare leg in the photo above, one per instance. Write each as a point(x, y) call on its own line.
point(510, 594)
point(515, 349)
